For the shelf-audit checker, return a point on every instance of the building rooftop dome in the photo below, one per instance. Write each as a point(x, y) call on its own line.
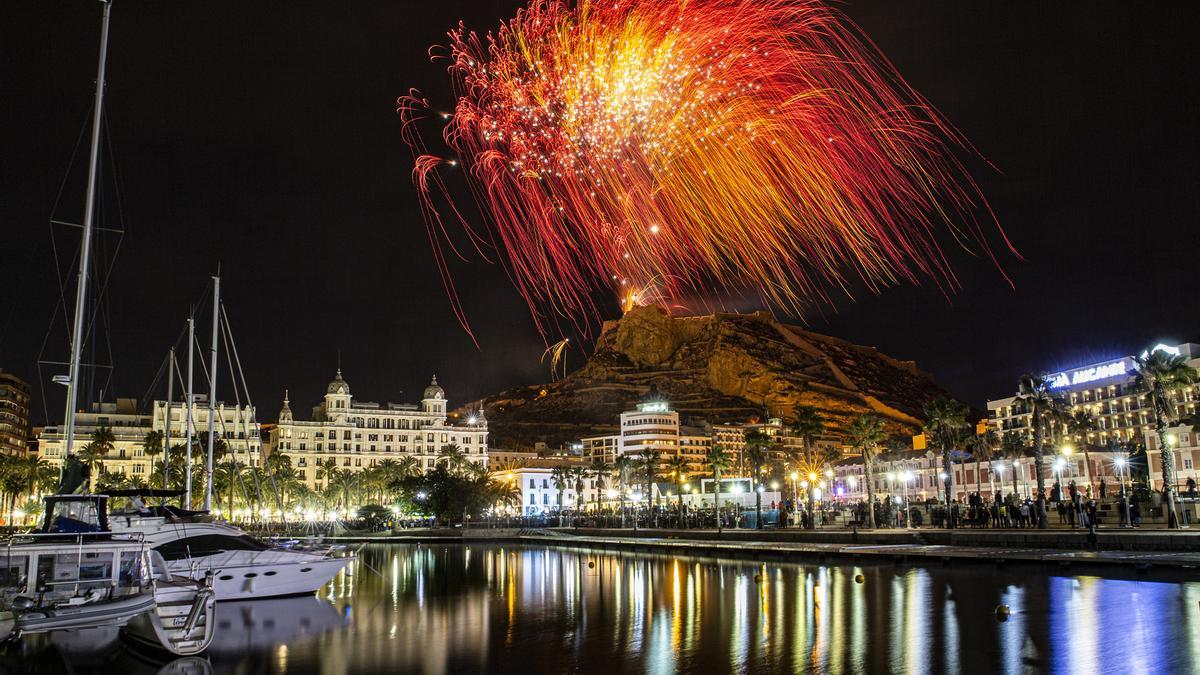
point(433, 390)
point(338, 385)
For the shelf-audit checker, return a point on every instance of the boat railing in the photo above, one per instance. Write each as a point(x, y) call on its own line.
point(76, 541)
point(78, 536)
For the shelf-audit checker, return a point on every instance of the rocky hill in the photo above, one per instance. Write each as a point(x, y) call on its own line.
point(719, 368)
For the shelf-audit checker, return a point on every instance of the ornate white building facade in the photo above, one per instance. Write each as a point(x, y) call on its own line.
point(359, 434)
point(235, 424)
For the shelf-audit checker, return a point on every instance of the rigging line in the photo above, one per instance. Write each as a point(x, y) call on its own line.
point(58, 272)
point(116, 174)
point(231, 348)
point(187, 404)
point(154, 383)
point(62, 187)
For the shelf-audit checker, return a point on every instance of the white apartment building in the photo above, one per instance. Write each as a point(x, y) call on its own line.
point(539, 495)
point(1106, 390)
point(920, 473)
point(359, 434)
point(235, 424)
point(653, 426)
point(1185, 442)
point(784, 446)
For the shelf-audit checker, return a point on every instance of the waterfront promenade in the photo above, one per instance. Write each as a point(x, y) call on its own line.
point(1136, 549)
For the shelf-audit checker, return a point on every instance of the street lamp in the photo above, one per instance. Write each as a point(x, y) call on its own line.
point(1121, 464)
point(907, 476)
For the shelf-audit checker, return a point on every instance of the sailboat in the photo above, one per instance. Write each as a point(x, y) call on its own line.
point(75, 573)
point(194, 543)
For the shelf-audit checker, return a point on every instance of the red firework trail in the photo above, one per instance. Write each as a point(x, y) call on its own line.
point(695, 148)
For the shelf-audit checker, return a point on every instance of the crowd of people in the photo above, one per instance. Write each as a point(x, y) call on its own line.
point(1074, 506)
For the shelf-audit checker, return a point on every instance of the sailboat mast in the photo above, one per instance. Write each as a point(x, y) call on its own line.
point(166, 442)
point(85, 257)
point(212, 391)
point(188, 452)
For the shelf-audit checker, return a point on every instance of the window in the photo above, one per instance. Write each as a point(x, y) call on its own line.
point(208, 544)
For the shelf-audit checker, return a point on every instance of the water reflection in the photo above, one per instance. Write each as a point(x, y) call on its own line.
point(460, 609)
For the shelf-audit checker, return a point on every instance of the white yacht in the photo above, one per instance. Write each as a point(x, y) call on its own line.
point(242, 567)
point(76, 574)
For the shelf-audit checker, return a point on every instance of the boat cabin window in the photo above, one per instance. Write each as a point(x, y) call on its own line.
point(12, 573)
point(87, 569)
point(209, 544)
point(74, 517)
point(131, 567)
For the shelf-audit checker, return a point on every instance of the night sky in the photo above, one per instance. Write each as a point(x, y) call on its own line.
point(262, 136)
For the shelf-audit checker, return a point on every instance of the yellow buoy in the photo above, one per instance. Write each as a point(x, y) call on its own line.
point(591, 563)
point(858, 578)
point(1002, 612)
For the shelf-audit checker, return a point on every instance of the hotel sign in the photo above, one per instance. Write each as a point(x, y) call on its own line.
point(1086, 375)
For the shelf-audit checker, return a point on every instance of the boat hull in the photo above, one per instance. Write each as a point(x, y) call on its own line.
point(250, 579)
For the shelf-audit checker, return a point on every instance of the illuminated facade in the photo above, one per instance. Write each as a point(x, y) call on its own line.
point(357, 435)
point(234, 424)
point(14, 415)
point(783, 448)
point(922, 471)
point(539, 493)
point(1106, 391)
point(653, 426)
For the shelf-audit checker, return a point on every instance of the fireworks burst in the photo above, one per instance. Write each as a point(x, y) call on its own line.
point(557, 353)
point(699, 146)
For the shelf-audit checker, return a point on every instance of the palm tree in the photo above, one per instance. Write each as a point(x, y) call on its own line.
point(678, 466)
point(599, 471)
point(866, 432)
point(1012, 448)
point(983, 449)
point(504, 493)
point(623, 465)
point(945, 421)
point(1159, 374)
point(649, 462)
point(93, 454)
point(453, 457)
point(1079, 425)
point(1034, 392)
point(152, 445)
point(718, 461)
point(578, 475)
point(757, 444)
point(808, 425)
point(283, 476)
point(407, 467)
point(32, 469)
point(225, 477)
point(561, 477)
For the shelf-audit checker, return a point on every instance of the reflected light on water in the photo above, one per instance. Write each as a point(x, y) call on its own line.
point(464, 608)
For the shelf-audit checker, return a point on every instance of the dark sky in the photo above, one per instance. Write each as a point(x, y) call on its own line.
point(262, 136)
